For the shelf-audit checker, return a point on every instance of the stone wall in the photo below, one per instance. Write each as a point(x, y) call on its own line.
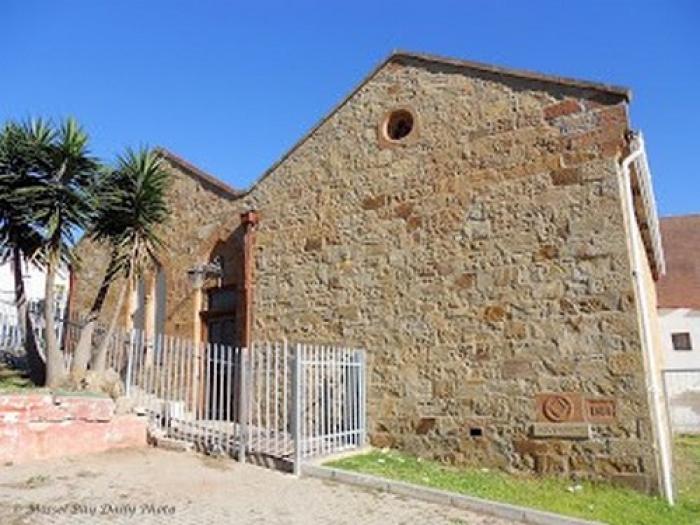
point(42, 426)
point(483, 264)
point(195, 232)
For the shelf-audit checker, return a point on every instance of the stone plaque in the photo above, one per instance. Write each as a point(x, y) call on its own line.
point(561, 430)
point(600, 410)
point(516, 369)
point(559, 408)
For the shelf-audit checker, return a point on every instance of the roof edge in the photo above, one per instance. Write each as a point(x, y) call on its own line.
point(621, 91)
point(332, 111)
point(198, 173)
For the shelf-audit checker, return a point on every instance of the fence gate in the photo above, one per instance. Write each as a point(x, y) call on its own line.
point(682, 389)
point(272, 401)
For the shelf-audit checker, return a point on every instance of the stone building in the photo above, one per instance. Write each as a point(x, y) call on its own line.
point(476, 230)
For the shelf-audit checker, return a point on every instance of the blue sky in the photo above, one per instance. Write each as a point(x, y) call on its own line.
point(230, 86)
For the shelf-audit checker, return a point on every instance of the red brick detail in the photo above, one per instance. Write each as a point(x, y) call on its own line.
point(249, 221)
point(565, 107)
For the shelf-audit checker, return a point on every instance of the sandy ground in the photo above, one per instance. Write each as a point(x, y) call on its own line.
point(151, 486)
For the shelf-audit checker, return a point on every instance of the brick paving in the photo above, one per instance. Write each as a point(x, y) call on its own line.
point(151, 486)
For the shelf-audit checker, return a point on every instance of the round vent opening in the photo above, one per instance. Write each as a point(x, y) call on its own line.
point(399, 125)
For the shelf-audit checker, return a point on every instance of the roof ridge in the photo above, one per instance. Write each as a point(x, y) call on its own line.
point(515, 72)
point(682, 216)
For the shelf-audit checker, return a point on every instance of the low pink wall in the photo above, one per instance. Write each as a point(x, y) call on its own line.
point(42, 426)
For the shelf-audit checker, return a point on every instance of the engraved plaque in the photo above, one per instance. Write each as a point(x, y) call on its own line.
point(564, 407)
point(561, 430)
point(558, 408)
point(602, 410)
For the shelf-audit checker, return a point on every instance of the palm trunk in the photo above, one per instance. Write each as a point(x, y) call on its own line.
point(99, 360)
point(55, 369)
point(83, 350)
point(36, 365)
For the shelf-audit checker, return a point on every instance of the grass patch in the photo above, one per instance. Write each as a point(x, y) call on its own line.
point(12, 380)
point(594, 501)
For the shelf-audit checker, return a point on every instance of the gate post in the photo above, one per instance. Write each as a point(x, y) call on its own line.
point(243, 405)
point(297, 408)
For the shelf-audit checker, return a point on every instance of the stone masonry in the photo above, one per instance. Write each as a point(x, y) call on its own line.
point(483, 263)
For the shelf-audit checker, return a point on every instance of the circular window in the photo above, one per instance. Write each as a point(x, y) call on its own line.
point(399, 124)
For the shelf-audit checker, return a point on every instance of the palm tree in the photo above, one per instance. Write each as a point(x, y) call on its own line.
point(131, 203)
point(62, 207)
point(22, 147)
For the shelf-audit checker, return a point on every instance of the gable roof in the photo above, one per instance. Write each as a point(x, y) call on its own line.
point(680, 287)
point(181, 163)
point(398, 56)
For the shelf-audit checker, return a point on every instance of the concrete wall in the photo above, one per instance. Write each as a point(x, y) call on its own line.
point(682, 369)
point(42, 426)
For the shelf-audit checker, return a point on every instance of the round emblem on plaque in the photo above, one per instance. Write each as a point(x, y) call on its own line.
point(557, 408)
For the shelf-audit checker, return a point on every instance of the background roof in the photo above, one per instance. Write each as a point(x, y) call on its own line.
point(680, 287)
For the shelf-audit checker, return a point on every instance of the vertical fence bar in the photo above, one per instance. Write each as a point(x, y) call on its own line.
point(206, 379)
point(297, 404)
point(285, 407)
point(229, 402)
point(323, 405)
point(363, 398)
point(307, 373)
point(277, 398)
point(243, 405)
point(267, 396)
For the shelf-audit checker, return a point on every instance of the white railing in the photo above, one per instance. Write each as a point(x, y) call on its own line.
point(287, 402)
point(10, 334)
point(332, 399)
point(682, 389)
point(11, 337)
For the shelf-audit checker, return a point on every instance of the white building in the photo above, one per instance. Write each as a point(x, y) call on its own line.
point(678, 295)
point(34, 282)
point(679, 292)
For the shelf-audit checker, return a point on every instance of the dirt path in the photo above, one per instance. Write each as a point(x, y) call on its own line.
point(153, 486)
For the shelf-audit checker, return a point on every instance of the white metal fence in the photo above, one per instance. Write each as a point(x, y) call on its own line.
point(10, 336)
point(682, 388)
point(282, 401)
point(286, 402)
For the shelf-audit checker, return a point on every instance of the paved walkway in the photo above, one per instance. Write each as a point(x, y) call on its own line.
point(151, 486)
